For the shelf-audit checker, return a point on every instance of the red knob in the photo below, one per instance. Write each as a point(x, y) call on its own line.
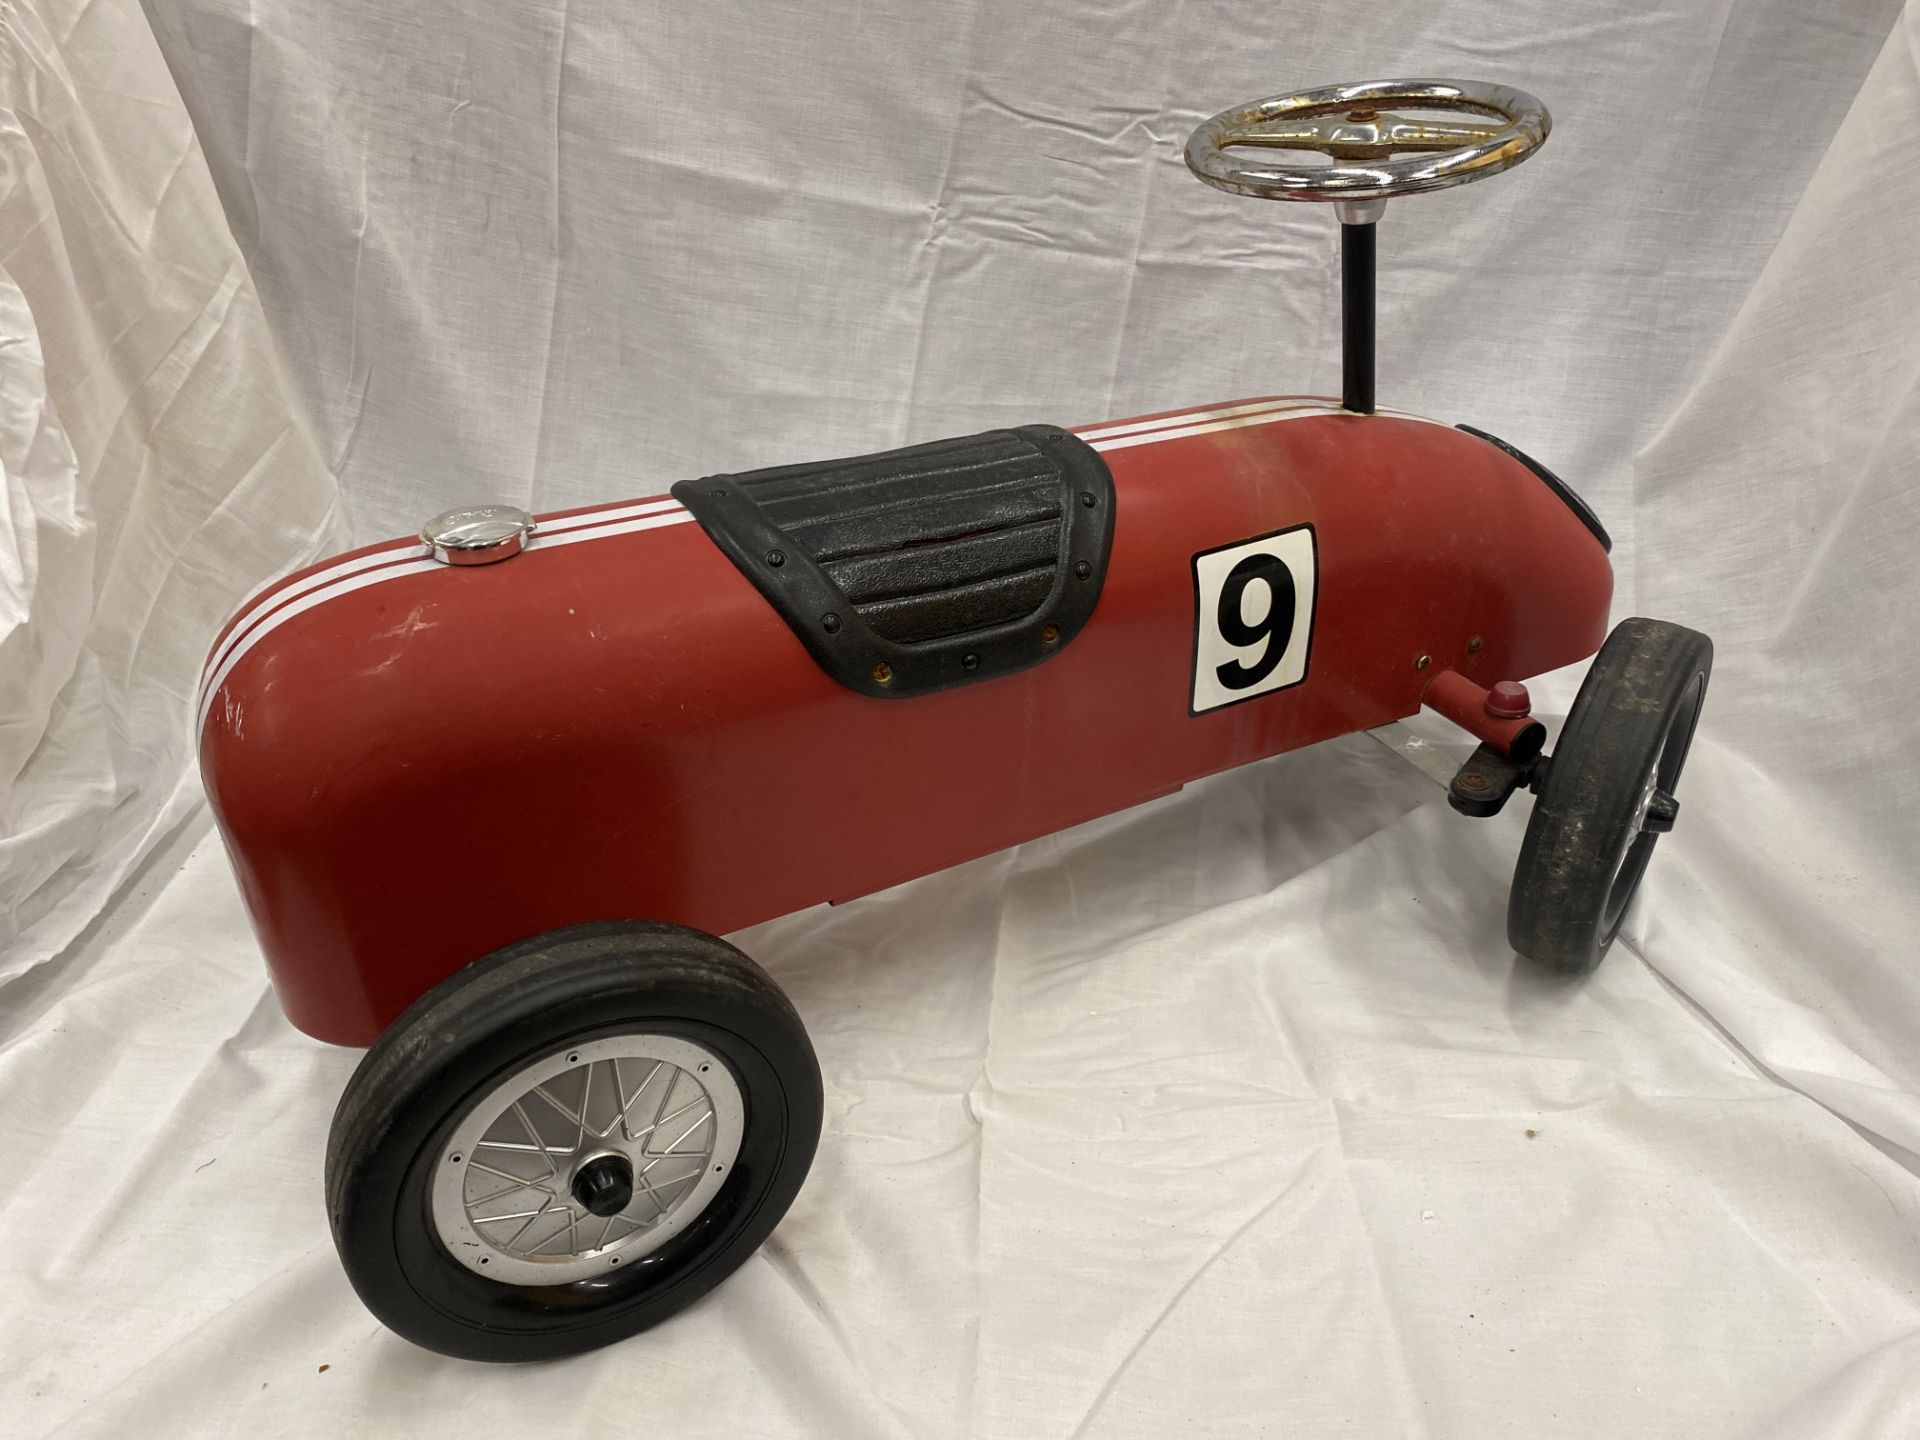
point(1508, 700)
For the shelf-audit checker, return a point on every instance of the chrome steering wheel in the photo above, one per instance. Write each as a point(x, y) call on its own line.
point(1349, 124)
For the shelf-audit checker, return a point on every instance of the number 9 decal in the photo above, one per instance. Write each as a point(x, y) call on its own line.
point(1253, 622)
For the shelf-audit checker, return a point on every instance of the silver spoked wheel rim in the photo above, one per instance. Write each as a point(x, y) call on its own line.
point(662, 1112)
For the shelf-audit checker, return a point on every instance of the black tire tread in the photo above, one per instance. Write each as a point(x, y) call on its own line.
point(1581, 820)
point(430, 1055)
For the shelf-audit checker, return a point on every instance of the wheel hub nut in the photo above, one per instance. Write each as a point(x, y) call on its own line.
point(604, 1186)
point(1508, 700)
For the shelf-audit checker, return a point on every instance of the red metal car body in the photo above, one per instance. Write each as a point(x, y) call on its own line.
point(415, 764)
point(489, 794)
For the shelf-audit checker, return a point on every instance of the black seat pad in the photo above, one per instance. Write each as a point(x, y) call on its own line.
point(912, 570)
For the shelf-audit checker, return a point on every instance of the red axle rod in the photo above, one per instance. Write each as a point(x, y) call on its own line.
point(1502, 720)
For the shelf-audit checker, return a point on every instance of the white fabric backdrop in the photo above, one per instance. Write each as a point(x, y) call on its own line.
point(1211, 1116)
point(155, 467)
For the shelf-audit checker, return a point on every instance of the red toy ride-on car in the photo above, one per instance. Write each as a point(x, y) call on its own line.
point(602, 737)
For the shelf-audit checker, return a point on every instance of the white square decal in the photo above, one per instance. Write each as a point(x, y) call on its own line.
point(1254, 619)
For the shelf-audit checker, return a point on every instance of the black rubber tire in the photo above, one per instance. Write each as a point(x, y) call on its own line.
point(464, 1036)
point(1583, 859)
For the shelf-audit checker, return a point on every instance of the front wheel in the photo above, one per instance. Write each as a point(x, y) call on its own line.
point(570, 1140)
point(1608, 793)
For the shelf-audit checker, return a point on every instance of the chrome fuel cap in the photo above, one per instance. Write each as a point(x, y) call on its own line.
point(477, 534)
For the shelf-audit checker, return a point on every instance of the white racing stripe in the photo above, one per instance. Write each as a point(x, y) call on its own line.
point(254, 608)
point(547, 540)
point(594, 518)
point(1209, 427)
point(235, 654)
point(391, 565)
point(258, 603)
point(1227, 417)
point(1190, 417)
point(1248, 417)
point(262, 617)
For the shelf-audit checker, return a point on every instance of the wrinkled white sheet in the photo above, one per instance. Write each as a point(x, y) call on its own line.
point(155, 468)
point(1227, 1115)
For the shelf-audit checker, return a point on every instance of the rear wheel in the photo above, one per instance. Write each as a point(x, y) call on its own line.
point(1608, 793)
point(570, 1140)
